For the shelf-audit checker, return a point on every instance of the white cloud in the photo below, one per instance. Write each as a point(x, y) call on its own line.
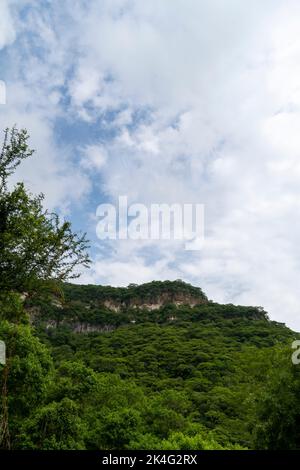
point(94, 157)
point(127, 271)
point(222, 80)
point(203, 103)
point(33, 81)
point(51, 169)
point(7, 29)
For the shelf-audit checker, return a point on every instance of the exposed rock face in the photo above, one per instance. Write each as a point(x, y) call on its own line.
point(155, 303)
point(87, 309)
point(116, 307)
point(57, 303)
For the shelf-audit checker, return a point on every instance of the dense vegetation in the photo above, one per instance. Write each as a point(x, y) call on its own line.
point(91, 367)
point(134, 293)
point(193, 375)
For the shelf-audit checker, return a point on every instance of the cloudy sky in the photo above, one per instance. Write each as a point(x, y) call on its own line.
point(167, 101)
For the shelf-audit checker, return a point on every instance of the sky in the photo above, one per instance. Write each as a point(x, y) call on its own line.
point(181, 101)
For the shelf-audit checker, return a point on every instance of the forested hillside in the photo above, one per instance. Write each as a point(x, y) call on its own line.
point(175, 377)
point(156, 366)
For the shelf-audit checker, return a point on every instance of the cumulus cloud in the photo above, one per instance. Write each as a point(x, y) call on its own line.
point(34, 73)
point(188, 102)
point(7, 29)
point(94, 157)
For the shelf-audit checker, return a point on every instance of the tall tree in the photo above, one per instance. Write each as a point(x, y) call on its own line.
point(35, 245)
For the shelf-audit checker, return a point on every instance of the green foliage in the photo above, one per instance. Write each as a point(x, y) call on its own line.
point(14, 150)
point(191, 374)
point(278, 407)
point(34, 245)
point(56, 426)
point(24, 380)
point(194, 381)
point(208, 379)
point(199, 441)
point(133, 294)
point(35, 249)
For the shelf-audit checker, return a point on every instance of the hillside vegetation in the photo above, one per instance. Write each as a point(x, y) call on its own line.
point(175, 376)
point(156, 366)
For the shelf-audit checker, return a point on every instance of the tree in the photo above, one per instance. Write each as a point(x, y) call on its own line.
point(56, 426)
point(14, 150)
point(35, 246)
point(277, 424)
point(24, 380)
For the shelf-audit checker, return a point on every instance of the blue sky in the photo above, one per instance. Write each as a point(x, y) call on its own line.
point(176, 101)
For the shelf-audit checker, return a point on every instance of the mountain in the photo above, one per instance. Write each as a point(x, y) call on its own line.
point(172, 369)
point(87, 308)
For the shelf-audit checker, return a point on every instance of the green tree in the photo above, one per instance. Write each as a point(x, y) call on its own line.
point(35, 246)
point(278, 408)
point(56, 426)
point(24, 380)
point(36, 249)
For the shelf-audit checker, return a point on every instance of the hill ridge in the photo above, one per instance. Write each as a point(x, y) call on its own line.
point(95, 308)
